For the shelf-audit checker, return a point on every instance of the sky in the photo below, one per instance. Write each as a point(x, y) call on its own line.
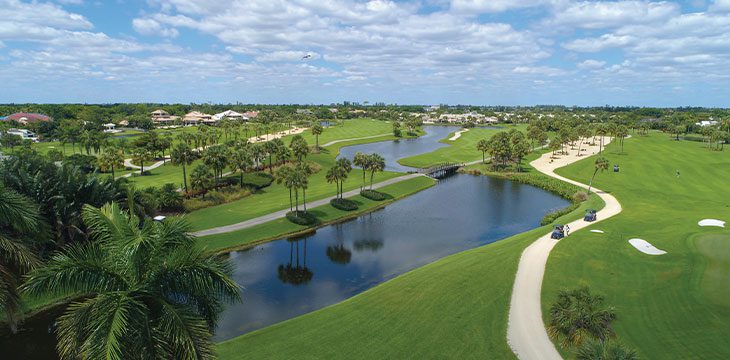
point(479, 52)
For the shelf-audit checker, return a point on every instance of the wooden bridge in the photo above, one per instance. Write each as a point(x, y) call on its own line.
point(441, 170)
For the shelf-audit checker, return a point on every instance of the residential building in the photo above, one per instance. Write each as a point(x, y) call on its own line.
point(230, 114)
point(24, 134)
point(196, 117)
point(26, 118)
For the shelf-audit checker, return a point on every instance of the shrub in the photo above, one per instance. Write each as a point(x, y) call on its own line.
point(373, 195)
point(54, 155)
point(216, 197)
point(303, 218)
point(257, 180)
point(344, 204)
point(86, 163)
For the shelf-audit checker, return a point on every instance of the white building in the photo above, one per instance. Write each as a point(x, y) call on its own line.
point(704, 123)
point(230, 114)
point(24, 134)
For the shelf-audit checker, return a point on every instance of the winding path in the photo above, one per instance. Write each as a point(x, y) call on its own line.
point(353, 139)
point(280, 214)
point(526, 332)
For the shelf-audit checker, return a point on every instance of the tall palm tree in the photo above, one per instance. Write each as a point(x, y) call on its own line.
point(317, 130)
point(148, 292)
point(183, 155)
point(216, 157)
point(284, 175)
point(375, 164)
point(303, 171)
point(361, 160)
point(140, 155)
point(200, 178)
point(18, 217)
point(333, 176)
point(578, 315)
point(344, 167)
point(241, 161)
point(600, 165)
point(111, 158)
point(483, 146)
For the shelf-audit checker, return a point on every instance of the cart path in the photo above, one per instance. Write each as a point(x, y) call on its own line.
point(128, 163)
point(526, 332)
point(282, 213)
point(353, 139)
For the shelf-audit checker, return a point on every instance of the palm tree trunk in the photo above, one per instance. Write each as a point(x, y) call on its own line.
point(590, 184)
point(185, 178)
point(372, 174)
point(113, 172)
point(296, 203)
point(304, 200)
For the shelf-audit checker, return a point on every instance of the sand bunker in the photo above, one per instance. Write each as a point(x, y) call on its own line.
point(711, 222)
point(597, 231)
point(643, 246)
point(458, 134)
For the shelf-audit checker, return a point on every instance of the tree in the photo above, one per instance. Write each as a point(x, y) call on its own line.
point(241, 161)
point(140, 155)
point(604, 350)
point(19, 217)
point(375, 164)
point(183, 155)
point(344, 167)
point(679, 130)
point(200, 179)
point(302, 172)
point(111, 158)
point(535, 134)
point(396, 129)
point(361, 160)
point(147, 291)
point(285, 175)
point(621, 133)
point(216, 157)
point(583, 132)
point(271, 147)
point(520, 149)
point(317, 130)
point(600, 165)
point(299, 147)
point(601, 132)
point(483, 146)
point(577, 315)
point(500, 148)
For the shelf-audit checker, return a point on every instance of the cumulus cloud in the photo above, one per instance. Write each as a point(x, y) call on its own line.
point(591, 64)
point(489, 6)
point(720, 6)
point(151, 27)
point(598, 15)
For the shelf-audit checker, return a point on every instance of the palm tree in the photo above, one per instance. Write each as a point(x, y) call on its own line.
point(299, 147)
point(18, 217)
point(344, 167)
point(285, 175)
point(578, 315)
point(242, 162)
point(605, 350)
point(147, 291)
point(362, 161)
point(270, 147)
point(216, 157)
point(140, 155)
point(183, 155)
point(600, 165)
point(200, 179)
point(111, 158)
point(317, 130)
point(333, 176)
point(303, 171)
point(483, 146)
point(375, 164)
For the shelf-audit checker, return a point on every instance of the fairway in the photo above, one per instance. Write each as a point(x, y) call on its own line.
point(669, 306)
point(461, 150)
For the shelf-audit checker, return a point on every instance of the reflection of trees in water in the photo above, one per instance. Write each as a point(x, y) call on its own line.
point(295, 272)
point(339, 254)
point(369, 244)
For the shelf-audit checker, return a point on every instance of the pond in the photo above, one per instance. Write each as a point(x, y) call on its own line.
point(290, 277)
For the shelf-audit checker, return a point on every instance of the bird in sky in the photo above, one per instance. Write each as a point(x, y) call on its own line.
point(307, 56)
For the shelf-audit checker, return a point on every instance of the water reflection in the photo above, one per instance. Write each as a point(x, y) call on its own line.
point(295, 273)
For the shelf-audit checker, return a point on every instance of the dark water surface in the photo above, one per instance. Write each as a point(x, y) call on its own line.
point(289, 277)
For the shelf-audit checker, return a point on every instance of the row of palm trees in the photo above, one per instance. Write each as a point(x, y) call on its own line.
point(372, 163)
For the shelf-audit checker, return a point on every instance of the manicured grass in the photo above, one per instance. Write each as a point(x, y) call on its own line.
point(325, 214)
point(463, 149)
point(353, 128)
point(672, 306)
point(276, 196)
point(455, 308)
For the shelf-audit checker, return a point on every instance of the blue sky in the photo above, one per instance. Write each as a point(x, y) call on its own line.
point(483, 52)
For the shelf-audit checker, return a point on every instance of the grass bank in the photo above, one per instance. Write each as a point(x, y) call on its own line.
point(671, 306)
point(326, 214)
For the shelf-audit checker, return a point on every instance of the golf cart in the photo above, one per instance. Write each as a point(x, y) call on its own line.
point(590, 215)
point(558, 232)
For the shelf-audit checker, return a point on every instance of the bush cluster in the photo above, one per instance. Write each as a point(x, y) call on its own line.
point(303, 218)
point(216, 197)
point(258, 180)
point(344, 204)
point(373, 195)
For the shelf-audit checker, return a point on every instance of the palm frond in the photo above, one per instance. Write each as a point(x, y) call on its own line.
point(185, 336)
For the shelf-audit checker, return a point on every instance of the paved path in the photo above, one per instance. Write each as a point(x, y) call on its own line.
point(352, 139)
point(128, 163)
point(526, 332)
point(280, 214)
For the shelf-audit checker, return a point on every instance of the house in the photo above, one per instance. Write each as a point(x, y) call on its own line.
point(110, 128)
point(26, 118)
point(251, 114)
point(24, 134)
point(162, 116)
point(196, 117)
point(705, 123)
point(230, 114)
point(304, 112)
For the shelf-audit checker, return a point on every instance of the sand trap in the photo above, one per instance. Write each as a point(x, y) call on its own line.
point(643, 246)
point(458, 134)
point(711, 222)
point(597, 231)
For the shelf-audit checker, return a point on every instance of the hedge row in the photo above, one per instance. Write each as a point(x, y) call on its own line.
point(373, 195)
point(344, 204)
point(302, 218)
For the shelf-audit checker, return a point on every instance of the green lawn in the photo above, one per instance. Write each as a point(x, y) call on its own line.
point(673, 306)
point(276, 196)
point(463, 149)
point(454, 308)
point(354, 128)
point(326, 214)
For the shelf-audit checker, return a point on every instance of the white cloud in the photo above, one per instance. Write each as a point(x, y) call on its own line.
point(598, 15)
point(603, 42)
point(19, 16)
point(591, 64)
point(490, 6)
point(720, 6)
point(151, 27)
